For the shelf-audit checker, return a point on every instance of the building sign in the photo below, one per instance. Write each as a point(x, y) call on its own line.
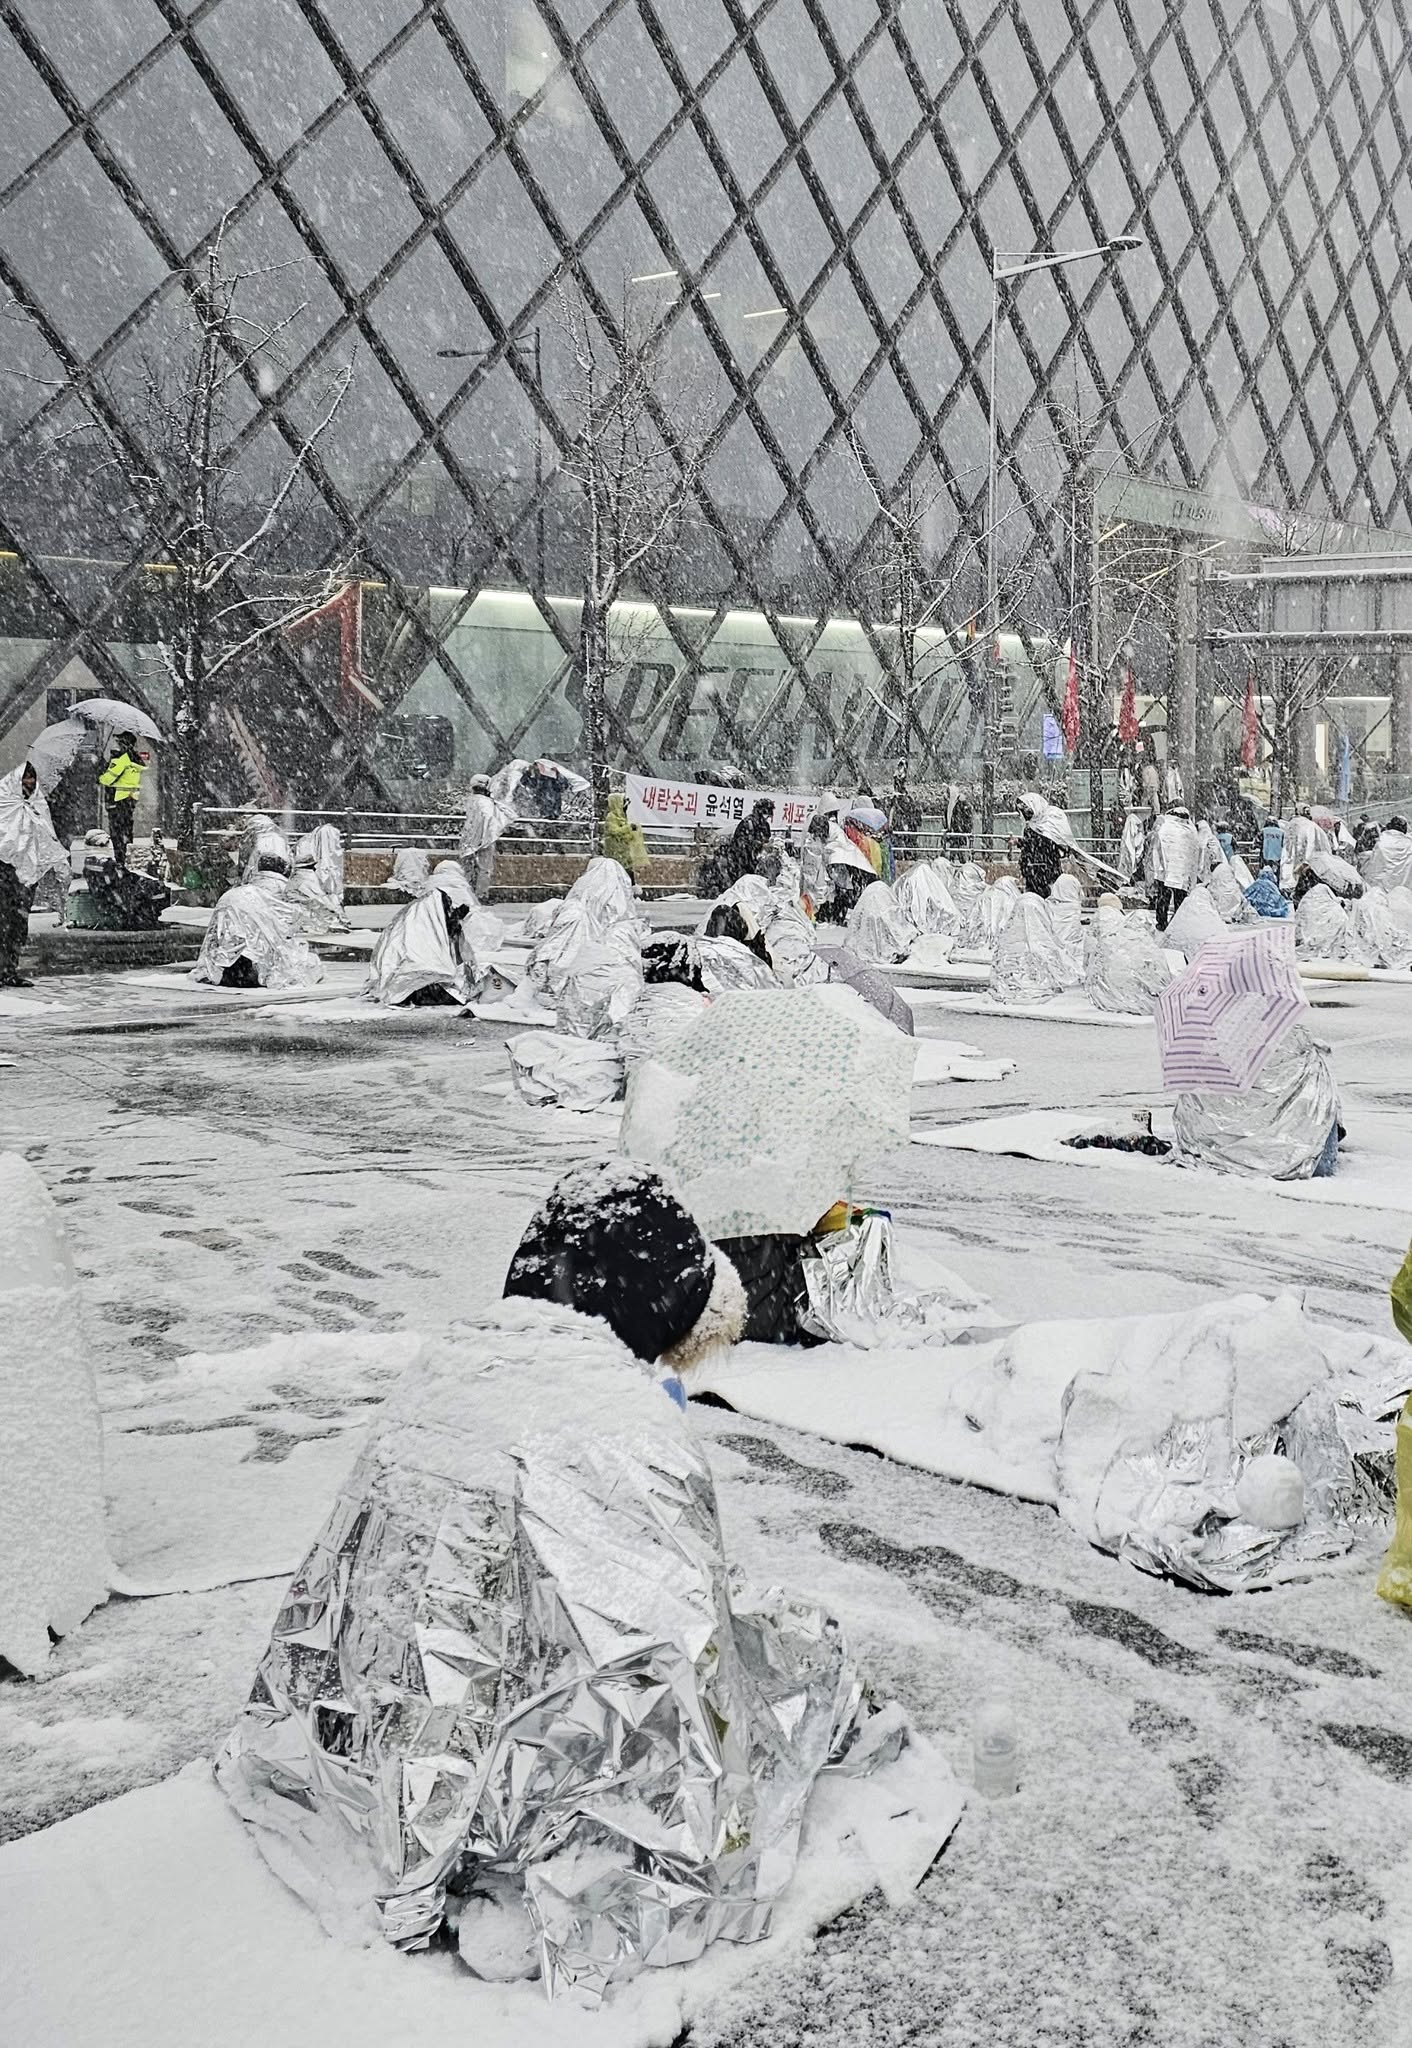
point(682, 806)
point(1137, 502)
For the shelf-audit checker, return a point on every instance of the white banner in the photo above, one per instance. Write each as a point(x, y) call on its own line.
point(682, 806)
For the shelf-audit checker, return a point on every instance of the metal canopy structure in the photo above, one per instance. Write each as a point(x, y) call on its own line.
point(1353, 604)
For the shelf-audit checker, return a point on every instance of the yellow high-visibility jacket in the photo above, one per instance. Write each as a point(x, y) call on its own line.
point(122, 779)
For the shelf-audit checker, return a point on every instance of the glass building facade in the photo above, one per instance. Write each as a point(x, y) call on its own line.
point(802, 200)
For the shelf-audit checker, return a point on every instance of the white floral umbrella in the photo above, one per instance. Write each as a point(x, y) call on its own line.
point(118, 717)
point(772, 1108)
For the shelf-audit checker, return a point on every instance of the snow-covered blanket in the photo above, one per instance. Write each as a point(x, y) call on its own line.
point(188, 1937)
point(1135, 1428)
point(1366, 1179)
point(1073, 1008)
point(944, 1059)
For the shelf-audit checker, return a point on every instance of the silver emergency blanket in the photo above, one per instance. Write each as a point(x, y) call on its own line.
point(1379, 931)
point(600, 900)
point(603, 982)
point(556, 943)
point(1175, 852)
point(1194, 922)
point(1303, 838)
point(967, 884)
point(1389, 865)
point(316, 885)
point(1151, 1453)
point(1338, 874)
point(1029, 965)
point(605, 890)
point(852, 1294)
point(877, 929)
point(257, 921)
point(1066, 904)
point(539, 919)
point(924, 899)
point(28, 842)
point(411, 871)
point(505, 787)
point(790, 943)
point(1320, 925)
point(753, 897)
point(1125, 964)
point(1228, 896)
point(485, 823)
point(842, 852)
point(1279, 1129)
point(815, 880)
point(260, 840)
point(554, 1070)
point(514, 1678)
point(988, 916)
point(417, 949)
point(1048, 820)
point(725, 964)
point(1133, 848)
point(661, 1016)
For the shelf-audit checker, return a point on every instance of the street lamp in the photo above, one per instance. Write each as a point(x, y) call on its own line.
point(1002, 273)
point(522, 345)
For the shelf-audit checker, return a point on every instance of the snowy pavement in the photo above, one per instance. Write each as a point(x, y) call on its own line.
point(1212, 1841)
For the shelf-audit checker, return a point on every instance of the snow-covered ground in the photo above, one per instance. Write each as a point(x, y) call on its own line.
point(1213, 1841)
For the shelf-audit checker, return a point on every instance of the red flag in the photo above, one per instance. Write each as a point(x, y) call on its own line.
point(1249, 729)
point(1069, 716)
point(1129, 731)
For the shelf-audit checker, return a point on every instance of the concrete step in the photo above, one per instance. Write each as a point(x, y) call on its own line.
point(58, 949)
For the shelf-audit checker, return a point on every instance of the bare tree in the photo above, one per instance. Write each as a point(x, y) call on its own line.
point(934, 598)
point(170, 428)
point(1289, 689)
point(637, 434)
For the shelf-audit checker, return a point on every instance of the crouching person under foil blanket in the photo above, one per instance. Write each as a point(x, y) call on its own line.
point(255, 938)
point(515, 1697)
point(1284, 1127)
point(436, 953)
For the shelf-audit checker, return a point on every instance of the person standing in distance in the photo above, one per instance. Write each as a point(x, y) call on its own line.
point(120, 782)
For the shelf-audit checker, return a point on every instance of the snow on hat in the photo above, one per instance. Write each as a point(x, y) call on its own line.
point(272, 854)
point(611, 1240)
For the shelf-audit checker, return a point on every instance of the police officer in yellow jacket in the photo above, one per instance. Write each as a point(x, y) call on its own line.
point(120, 781)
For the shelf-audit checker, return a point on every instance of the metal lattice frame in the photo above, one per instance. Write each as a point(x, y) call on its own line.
point(1122, 59)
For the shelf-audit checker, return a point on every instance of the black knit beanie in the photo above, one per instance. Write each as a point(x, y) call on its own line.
point(611, 1241)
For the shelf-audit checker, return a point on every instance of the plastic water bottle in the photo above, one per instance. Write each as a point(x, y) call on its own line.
point(996, 1772)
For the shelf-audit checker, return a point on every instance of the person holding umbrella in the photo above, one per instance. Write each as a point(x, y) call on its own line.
point(28, 849)
point(120, 781)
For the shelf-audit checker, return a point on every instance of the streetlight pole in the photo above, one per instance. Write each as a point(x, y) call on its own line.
point(519, 343)
point(1002, 273)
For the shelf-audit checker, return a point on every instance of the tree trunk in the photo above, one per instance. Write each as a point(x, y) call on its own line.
point(1095, 730)
point(593, 662)
point(188, 752)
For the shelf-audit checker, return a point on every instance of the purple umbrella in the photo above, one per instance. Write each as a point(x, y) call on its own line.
point(1218, 1023)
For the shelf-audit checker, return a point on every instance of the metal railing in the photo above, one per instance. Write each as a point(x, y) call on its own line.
point(440, 831)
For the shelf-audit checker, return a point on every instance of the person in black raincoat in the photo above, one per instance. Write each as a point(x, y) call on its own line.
point(1041, 858)
point(726, 864)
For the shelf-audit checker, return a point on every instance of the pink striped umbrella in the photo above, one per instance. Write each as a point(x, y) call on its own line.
point(1218, 1023)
